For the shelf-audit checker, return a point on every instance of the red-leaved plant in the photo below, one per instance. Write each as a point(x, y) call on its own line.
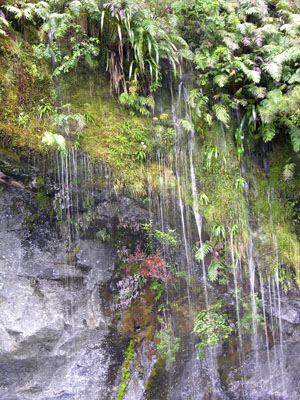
point(155, 267)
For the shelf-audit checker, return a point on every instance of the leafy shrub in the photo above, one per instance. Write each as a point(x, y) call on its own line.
point(211, 326)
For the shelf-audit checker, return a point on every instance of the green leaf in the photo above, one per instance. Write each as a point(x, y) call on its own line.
point(221, 80)
point(187, 125)
point(203, 251)
point(295, 138)
point(268, 132)
point(75, 7)
point(258, 91)
point(221, 114)
point(288, 171)
point(4, 21)
point(213, 269)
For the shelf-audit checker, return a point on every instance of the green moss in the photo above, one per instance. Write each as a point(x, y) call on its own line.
point(126, 369)
point(219, 172)
point(23, 81)
point(275, 237)
point(156, 387)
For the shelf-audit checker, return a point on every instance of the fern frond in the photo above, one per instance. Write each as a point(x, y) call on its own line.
point(258, 91)
point(230, 43)
point(203, 251)
point(221, 80)
point(273, 69)
point(75, 7)
point(268, 132)
point(213, 270)
point(221, 114)
point(288, 171)
point(252, 75)
point(14, 10)
point(187, 125)
point(295, 138)
point(194, 96)
point(3, 21)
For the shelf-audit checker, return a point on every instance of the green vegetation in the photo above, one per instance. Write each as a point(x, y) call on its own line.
point(169, 344)
point(126, 370)
point(243, 95)
point(211, 326)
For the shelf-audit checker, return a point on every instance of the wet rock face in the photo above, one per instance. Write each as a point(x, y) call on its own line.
point(52, 325)
point(268, 375)
point(56, 336)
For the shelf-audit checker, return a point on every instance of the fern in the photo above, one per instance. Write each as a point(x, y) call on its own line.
point(274, 70)
point(213, 269)
point(258, 92)
point(268, 132)
point(3, 22)
point(295, 78)
point(252, 75)
point(75, 7)
point(221, 80)
point(203, 251)
point(275, 67)
point(295, 138)
point(230, 43)
point(221, 114)
point(187, 125)
point(288, 171)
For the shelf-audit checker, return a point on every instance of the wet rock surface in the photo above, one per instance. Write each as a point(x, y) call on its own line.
point(268, 375)
point(52, 324)
point(57, 341)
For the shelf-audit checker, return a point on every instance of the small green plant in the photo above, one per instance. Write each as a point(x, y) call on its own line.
point(168, 136)
point(219, 232)
point(52, 139)
point(89, 118)
point(126, 370)
point(212, 153)
point(211, 326)
point(166, 237)
point(214, 268)
point(203, 199)
point(140, 155)
point(248, 318)
point(23, 120)
point(240, 183)
point(103, 235)
point(45, 109)
point(157, 287)
point(203, 251)
point(141, 104)
point(169, 344)
point(148, 228)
